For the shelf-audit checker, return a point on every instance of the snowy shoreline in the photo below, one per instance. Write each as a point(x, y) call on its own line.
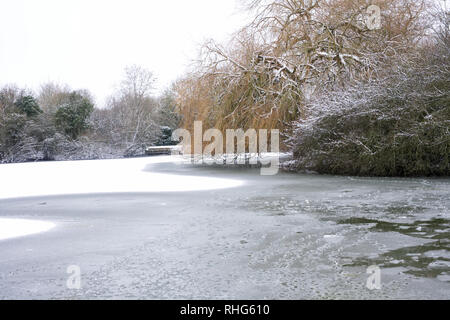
point(100, 176)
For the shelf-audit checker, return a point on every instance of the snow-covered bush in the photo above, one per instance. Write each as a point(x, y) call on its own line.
point(396, 125)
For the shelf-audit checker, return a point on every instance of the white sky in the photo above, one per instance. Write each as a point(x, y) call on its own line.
point(87, 43)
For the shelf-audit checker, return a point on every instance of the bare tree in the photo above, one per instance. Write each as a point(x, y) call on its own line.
point(291, 49)
point(132, 109)
point(53, 95)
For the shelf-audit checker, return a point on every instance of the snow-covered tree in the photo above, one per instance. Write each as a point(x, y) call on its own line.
point(264, 76)
point(132, 111)
point(395, 125)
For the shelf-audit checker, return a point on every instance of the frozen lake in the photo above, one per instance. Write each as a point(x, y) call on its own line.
point(151, 228)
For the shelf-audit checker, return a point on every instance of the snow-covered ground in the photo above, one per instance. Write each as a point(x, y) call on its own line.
point(90, 177)
point(99, 176)
point(13, 228)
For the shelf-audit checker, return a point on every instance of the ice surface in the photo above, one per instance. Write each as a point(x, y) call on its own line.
point(289, 236)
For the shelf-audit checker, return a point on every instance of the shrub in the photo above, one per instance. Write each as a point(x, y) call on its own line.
point(72, 117)
point(28, 105)
point(395, 126)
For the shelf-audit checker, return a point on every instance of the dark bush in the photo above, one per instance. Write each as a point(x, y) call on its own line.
point(72, 117)
point(28, 105)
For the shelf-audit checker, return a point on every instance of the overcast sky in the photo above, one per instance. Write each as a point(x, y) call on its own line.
point(87, 43)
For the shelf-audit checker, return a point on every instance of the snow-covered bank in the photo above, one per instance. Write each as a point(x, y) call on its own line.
point(99, 176)
point(13, 228)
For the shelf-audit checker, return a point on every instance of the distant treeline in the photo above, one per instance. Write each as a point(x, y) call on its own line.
point(58, 123)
